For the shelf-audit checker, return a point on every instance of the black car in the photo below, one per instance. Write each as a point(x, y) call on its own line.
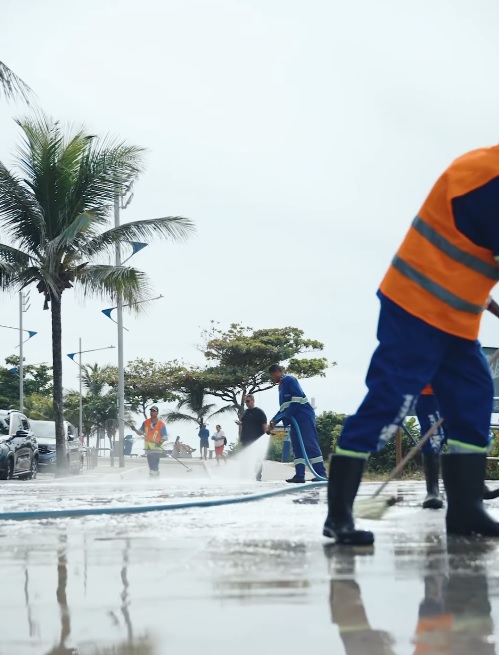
point(18, 447)
point(45, 436)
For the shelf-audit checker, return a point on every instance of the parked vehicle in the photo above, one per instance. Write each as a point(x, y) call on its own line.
point(45, 435)
point(18, 447)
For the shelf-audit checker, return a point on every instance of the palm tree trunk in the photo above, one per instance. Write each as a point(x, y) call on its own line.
point(55, 304)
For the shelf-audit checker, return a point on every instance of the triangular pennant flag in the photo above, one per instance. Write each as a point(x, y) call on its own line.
point(107, 312)
point(31, 333)
point(137, 246)
point(72, 356)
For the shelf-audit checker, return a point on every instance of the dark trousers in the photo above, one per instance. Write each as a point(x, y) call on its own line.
point(411, 354)
point(153, 460)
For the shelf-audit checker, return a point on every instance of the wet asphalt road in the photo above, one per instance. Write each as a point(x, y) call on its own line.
point(240, 579)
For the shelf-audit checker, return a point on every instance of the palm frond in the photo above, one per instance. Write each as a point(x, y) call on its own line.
point(13, 86)
point(224, 410)
point(178, 416)
point(58, 248)
point(71, 172)
point(195, 408)
point(7, 276)
point(175, 228)
point(13, 266)
point(20, 213)
point(15, 256)
point(109, 281)
point(108, 164)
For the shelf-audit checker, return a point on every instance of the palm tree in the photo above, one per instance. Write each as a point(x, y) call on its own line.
point(94, 377)
point(12, 86)
point(192, 401)
point(54, 211)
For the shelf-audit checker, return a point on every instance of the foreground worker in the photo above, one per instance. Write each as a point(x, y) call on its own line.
point(154, 431)
point(432, 299)
point(294, 403)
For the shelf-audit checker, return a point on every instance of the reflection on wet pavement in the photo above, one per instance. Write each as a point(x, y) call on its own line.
point(239, 579)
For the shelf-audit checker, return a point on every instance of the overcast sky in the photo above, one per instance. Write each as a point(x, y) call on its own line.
point(301, 137)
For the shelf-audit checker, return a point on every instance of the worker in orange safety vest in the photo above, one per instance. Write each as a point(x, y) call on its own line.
point(432, 299)
point(154, 431)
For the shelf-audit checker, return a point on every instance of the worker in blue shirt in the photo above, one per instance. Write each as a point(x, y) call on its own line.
point(294, 403)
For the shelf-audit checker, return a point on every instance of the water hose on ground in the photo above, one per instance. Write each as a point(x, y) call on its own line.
point(278, 418)
point(143, 509)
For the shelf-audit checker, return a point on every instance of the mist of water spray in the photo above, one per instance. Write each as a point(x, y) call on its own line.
point(246, 464)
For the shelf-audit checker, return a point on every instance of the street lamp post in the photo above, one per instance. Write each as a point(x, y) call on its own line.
point(23, 307)
point(21, 354)
point(118, 198)
point(80, 415)
point(121, 363)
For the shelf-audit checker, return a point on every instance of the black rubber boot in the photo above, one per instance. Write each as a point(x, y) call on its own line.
point(488, 494)
point(296, 479)
point(431, 465)
point(345, 474)
point(463, 477)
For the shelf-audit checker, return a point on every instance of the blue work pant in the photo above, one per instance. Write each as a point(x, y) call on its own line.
point(153, 460)
point(308, 429)
point(412, 353)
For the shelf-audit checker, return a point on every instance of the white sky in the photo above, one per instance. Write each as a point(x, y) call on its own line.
point(301, 137)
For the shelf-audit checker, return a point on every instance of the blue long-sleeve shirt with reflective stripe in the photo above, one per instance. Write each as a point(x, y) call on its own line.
point(292, 399)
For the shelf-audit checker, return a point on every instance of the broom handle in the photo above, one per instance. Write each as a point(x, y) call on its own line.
point(410, 455)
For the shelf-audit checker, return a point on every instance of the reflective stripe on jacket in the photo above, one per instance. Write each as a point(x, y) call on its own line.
point(438, 274)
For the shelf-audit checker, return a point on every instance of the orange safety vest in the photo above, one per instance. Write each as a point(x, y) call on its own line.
point(427, 391)
point(152, 434)
point(438, 274)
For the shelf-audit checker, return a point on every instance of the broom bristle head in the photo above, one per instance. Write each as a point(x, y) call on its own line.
point(373, 508)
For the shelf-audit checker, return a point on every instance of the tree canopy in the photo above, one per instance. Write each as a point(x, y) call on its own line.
point(238, 360)
point(148, 381)
point(37, 380)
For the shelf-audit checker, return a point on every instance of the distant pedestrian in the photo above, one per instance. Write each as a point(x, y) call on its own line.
point(154, 431)
point(253, 425)
point(204, 441)
point(220, 443)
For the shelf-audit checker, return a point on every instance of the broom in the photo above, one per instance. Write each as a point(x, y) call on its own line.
point(375, 506)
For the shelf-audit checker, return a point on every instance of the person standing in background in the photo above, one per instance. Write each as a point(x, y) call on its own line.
point(204, 441)
point(220, 442)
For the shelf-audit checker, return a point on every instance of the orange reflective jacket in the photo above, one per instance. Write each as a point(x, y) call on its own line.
point(438, 274)
point(152, 434)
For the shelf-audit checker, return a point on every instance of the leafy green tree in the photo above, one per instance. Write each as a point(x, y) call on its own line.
point(37, 380)
point(240, 358)
point(12, 86)
point(39, 407)
point(148, 381)
point(329, 426)
point(54, 210)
